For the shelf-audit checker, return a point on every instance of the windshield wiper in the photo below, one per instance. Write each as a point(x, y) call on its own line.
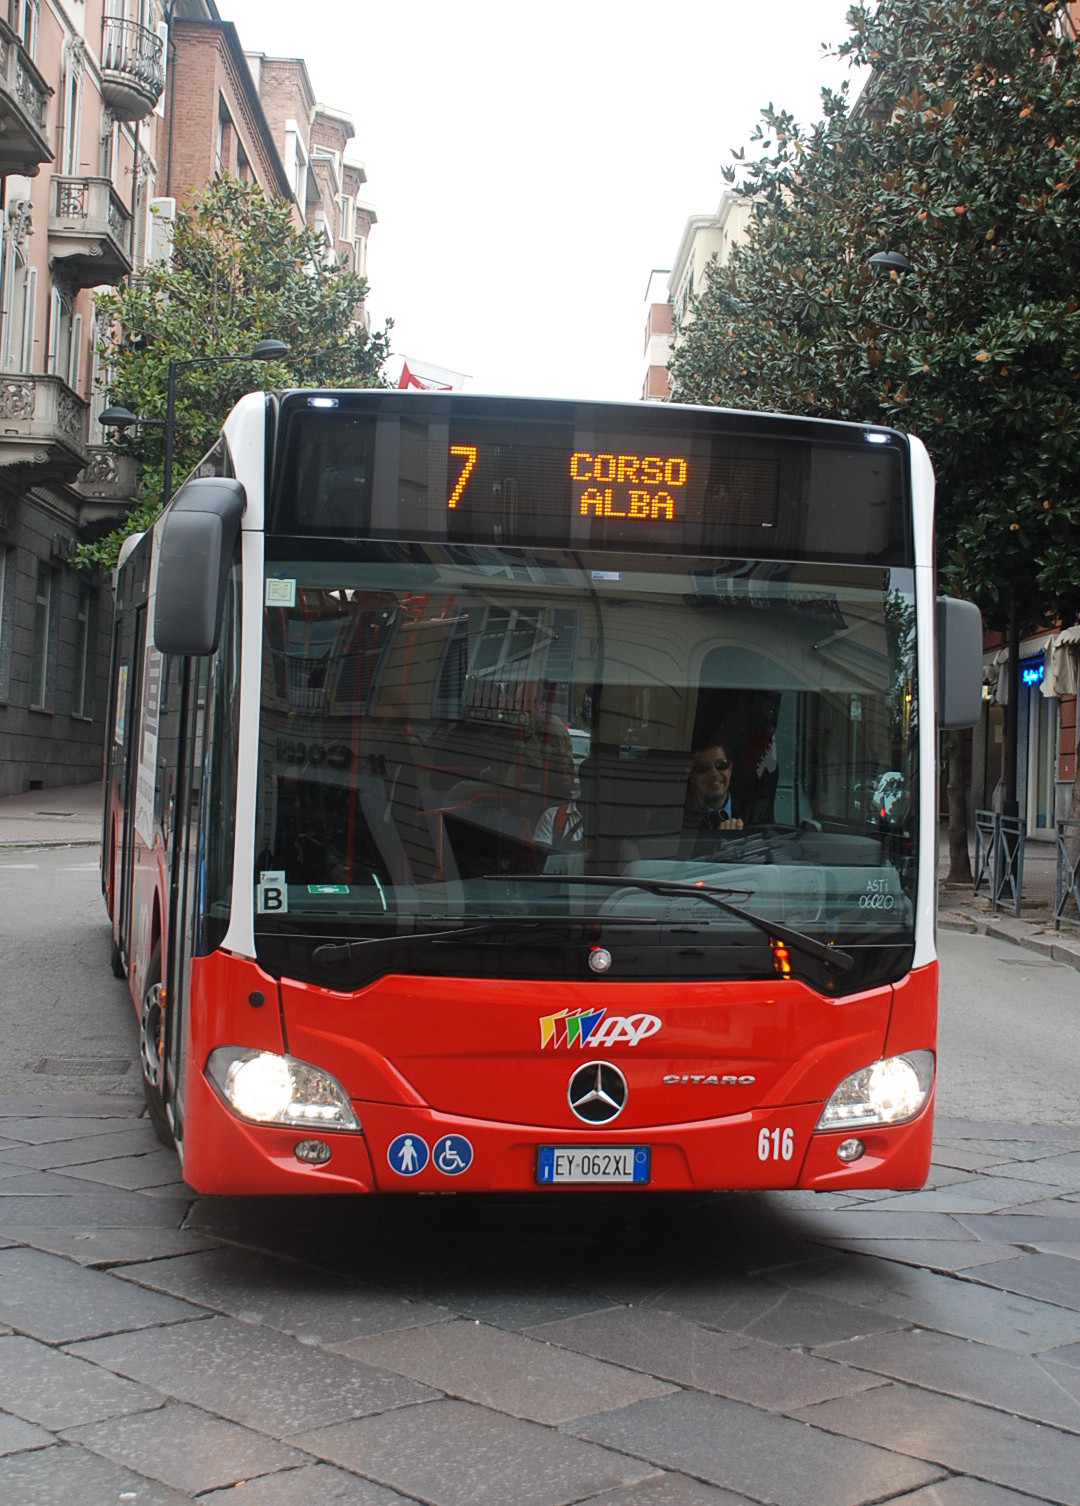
point(344, 951)
point(830, 955)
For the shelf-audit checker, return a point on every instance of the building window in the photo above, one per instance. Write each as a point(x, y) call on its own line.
point(80, 692)
point(58, 361)
point(39, 658)
point(71, 113)
point(23, 19)
point(20, 283)
point(223, 152)
point(5, 634)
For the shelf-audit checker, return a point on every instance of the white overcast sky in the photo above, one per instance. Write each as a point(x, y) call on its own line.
point(530, 165)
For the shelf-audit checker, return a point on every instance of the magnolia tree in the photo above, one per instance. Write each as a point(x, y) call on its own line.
point(240, 272)
point(963, 154)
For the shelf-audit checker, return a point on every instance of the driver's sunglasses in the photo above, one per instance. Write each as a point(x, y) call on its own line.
point(721, 765)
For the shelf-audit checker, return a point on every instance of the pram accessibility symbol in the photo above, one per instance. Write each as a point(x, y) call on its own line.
point(408, 1154)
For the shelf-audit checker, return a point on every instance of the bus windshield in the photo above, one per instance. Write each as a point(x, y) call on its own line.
point(450, 731)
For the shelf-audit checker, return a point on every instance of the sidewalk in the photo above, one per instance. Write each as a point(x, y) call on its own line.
point(70, 816)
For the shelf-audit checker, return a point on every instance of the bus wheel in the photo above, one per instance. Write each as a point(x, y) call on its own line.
point(152, 1047)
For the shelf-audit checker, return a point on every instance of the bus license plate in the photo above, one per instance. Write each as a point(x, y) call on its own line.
point(560, 1164)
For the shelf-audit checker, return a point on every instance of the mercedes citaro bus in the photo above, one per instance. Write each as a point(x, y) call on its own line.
point(404, 869)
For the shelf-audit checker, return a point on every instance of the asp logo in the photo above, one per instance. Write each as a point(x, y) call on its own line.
point(595, 1027)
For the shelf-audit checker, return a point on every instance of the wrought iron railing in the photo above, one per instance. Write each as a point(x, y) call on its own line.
point(134, 51)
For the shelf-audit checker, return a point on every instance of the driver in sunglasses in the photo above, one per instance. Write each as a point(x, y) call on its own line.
point(708, 790)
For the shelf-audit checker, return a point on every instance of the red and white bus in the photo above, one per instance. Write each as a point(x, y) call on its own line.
point(402, 870)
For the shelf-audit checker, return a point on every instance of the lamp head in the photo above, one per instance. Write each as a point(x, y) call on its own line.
point(116, 417)
point(891, 261)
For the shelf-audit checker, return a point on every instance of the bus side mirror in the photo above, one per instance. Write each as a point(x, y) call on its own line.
point(959, 662)
point(195, 549)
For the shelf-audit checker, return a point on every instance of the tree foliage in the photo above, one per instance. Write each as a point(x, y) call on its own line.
point(963, 153)
point(240, 272)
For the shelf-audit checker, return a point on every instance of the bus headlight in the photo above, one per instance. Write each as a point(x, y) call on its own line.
point(272, 1089)
point(888, 1092)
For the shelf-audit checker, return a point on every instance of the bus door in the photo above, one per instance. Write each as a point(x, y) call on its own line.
point(129, 659)
point(184, 842)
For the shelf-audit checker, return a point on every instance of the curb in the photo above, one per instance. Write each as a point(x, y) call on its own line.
point(1057, 946)
point(17, 845)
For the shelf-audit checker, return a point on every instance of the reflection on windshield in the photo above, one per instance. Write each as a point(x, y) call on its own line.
point(433, 730)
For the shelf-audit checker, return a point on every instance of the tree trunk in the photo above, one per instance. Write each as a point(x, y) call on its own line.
point(959, 858)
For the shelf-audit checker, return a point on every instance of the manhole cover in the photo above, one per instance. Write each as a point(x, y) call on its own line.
point(83, 1066)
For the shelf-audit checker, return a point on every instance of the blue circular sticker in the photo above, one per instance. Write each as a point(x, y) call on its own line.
point(452, 1155)
point(407, 1155)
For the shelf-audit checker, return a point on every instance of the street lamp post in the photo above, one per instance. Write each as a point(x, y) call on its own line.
point(123, 418)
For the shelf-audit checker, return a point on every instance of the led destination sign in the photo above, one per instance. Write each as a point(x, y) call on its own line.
point(602, 485)
point(548, 475)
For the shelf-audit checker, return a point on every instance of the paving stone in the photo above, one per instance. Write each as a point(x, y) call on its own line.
point(972, 1196)
point(253, 1375)
point(963, 1159)
point(185, 1448)
point(943, 1303)
point(1058, 1171)
point(669, 1490)
point(129, 1140)
point(960, 1436)
point(873, 1223)
point(65, 1475)
point(1013, 1149)
point(56, 1301)
point(1047, 1278)
point(449, 1453)
point(765, 1309)
point(943, 1255)
point(1066, 1354)
point(16, 1434)
point(309, 1483)
point(765, 1457)
point(526, 1377)
point(955, 1367)
point(964, 1491)
point(516, 1304)
point(49, 1184)
point(731, 1365)
point(1027, 1228)
point(50, 1128)
point(103, 1248)
point(315, 1306)
point(136, 1173)
point(56, 1390)
point(91, 1210)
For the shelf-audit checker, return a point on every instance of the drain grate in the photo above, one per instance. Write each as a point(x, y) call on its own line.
point(83, 1066)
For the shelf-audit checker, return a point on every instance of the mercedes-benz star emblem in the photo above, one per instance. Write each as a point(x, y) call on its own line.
point(597, 1093)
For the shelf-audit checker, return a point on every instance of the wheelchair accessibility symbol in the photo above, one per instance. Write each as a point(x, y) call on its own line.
point(452, 1155)
point(407, 1155)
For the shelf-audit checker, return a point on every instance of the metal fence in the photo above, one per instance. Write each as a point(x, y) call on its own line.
point(1066, 882)
point(999, 857)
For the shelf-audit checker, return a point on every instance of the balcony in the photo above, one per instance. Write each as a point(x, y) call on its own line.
point(132, 68)
point(89, 231)
point(24, 110)
point(42, 427)
point(106, 487)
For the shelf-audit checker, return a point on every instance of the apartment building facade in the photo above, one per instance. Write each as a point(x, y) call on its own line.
point(111, 112)
point(704, 237)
